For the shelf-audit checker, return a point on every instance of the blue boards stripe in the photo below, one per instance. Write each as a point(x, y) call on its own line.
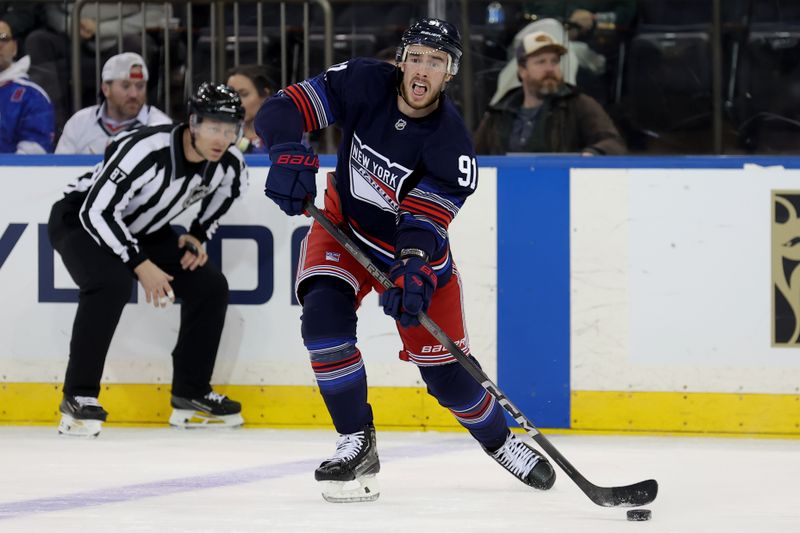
point(533, 353)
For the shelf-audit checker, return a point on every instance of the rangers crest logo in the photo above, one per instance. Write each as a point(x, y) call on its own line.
point(374, 178)
point(400, 125)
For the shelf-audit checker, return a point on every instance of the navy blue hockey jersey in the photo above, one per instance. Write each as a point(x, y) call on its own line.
point(400, 179)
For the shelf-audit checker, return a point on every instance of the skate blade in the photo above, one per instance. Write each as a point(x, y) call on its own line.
point(73, 427)
point(367, 490)
point(188, 419)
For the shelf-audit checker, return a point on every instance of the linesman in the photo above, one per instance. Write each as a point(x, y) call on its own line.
point(113, 226)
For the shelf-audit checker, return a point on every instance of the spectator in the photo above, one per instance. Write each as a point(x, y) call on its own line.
point(546, 114)
point(27, 114)
point(21, 17)
point(125, 91)
point(254, 87)
point(597, 27)
point(50, 47)
point(509, 79)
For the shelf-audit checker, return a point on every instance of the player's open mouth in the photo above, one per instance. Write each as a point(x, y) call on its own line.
point(418, 89)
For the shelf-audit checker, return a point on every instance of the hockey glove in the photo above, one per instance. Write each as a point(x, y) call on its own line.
point(415, 282)
point(291, 179)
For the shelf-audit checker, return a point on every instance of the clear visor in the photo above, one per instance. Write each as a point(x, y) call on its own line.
point(230, 132)
point(428, 59)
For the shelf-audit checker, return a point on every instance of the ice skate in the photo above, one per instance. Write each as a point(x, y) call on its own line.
point(525, 463)
point(212, 410)
point(81, 416)
point(349, 476)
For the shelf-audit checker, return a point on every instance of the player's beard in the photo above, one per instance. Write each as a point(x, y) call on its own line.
point(431, 99)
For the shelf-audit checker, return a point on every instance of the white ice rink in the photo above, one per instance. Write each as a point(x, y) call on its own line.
point(253, 480)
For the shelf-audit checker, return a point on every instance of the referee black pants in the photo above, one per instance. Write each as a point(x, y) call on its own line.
point(105, 285)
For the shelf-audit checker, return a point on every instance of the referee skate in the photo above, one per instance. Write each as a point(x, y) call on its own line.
point(211, 411)
point(81, 416)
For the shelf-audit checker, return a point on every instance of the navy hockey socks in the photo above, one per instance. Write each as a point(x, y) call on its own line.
point(342, 381)
point(329, 333)
point(471, 404)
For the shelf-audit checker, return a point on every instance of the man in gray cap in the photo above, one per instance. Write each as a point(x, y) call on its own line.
point(124, 108)
point(546, 114)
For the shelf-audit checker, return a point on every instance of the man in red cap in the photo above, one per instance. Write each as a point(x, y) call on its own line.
point(125, 92)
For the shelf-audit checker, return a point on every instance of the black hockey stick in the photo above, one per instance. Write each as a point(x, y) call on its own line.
point(634, 495)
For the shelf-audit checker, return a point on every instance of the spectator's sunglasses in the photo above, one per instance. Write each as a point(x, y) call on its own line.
point(6, 37)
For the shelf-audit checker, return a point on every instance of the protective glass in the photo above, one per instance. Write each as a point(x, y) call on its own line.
point(230, 132)
point(427, 58)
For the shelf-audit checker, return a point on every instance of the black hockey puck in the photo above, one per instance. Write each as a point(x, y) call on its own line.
point(639, 515)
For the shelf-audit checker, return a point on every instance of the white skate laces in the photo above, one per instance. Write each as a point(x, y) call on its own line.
point(83, 401)
point(348, 446)
point(77, 422)
point(214, 397)
point(516, 457)
point(349, 475)
point(212, 410)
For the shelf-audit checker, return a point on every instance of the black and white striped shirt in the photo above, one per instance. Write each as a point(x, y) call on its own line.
point(144, 181)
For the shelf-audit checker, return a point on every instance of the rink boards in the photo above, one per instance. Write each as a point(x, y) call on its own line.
point(602, 294)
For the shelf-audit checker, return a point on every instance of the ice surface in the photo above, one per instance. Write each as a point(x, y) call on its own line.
point(254, 480)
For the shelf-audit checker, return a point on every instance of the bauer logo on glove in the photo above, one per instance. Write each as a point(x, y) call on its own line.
point(298, 159)
point(291, 180)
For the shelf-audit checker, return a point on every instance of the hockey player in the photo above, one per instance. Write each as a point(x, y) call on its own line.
point(405, 166)
point(112, 226)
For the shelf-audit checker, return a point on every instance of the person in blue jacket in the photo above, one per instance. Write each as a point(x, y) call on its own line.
point(26, 115)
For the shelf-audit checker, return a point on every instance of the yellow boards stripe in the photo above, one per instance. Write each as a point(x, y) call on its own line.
point(275, 406)
point(411, 408)
point(692, 412)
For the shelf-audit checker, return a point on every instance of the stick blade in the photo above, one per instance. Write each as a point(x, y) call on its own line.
point(634, 495)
